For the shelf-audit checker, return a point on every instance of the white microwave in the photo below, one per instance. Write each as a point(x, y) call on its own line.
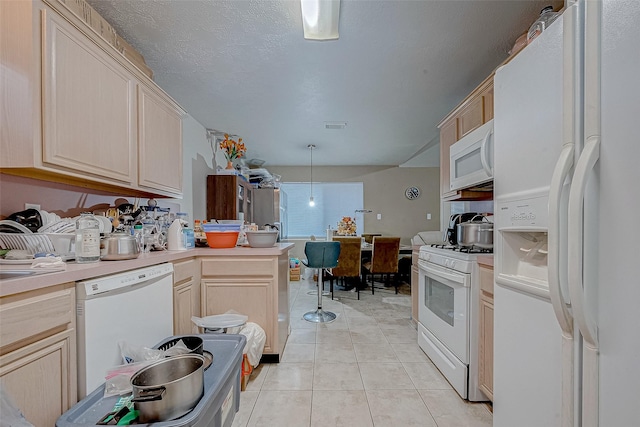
point(471, 158)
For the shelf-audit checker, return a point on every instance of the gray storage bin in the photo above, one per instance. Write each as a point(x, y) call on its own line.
point(217, 407)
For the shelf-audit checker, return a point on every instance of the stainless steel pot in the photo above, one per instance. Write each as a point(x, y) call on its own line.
point(117, 246)
point(169, 388)
point(477, 233)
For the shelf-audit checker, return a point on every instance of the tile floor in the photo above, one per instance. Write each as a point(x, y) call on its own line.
point(363, 369)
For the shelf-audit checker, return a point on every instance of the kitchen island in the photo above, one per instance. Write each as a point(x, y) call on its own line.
point(38, 313)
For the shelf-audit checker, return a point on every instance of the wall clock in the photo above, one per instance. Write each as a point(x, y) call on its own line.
point(412, 193)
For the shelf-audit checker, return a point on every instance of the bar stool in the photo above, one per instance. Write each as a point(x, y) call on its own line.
point(321, 255)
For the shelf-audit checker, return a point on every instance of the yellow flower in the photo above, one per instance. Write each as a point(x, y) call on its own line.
point(232, 149)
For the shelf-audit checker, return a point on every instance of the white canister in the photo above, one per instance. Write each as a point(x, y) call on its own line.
point(175, 238)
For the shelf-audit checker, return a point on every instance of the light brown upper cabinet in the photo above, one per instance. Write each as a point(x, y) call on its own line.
point(89, 106)
point(473, 112)
point(159, 142)
point(79, 111)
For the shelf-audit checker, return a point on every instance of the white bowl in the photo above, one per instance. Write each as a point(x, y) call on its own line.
point(262, 238)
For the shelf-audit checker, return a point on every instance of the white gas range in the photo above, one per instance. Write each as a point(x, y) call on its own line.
point(448, 313)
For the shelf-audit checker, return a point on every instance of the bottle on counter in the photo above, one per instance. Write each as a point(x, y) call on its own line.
point(188, 236)
point(199, 234)
point(87, 238)
point(175, 237)
point(137, 233)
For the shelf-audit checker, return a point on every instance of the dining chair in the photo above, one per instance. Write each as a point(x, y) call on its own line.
point(368, 237)
point(348, 261)
point(321, 255)
point(384, 261)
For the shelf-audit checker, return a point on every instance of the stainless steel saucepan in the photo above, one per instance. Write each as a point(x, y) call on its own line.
point(477, 232)
point(168, 388)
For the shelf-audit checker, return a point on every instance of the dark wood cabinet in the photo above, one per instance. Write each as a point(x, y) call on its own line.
point(228, 196)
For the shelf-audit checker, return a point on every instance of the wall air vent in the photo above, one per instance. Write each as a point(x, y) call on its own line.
point(335, 125)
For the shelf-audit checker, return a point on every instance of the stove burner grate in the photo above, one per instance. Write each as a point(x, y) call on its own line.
point(463, 249)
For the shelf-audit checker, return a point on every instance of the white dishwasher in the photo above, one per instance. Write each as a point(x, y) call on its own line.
point(135, 306)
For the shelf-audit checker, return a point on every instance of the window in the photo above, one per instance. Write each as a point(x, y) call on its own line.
point(333, 201)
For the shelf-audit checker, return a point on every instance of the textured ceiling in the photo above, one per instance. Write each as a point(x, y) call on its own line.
point(243, 67)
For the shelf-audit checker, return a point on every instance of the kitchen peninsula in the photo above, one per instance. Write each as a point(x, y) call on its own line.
point(38, 313)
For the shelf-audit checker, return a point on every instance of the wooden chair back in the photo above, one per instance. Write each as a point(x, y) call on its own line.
point(349, 259)
point(384, 256)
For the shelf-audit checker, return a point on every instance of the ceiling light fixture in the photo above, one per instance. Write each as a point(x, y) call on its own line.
point(320, 19)
point(311, 202)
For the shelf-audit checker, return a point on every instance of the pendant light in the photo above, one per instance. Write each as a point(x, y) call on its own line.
point(311, 202)
point(320, 19)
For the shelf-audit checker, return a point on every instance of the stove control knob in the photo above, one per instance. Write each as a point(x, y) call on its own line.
point(427, 257)
point(452, 263)
point(446, 263)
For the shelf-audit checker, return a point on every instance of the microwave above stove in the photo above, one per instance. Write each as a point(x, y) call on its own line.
point(471, 159)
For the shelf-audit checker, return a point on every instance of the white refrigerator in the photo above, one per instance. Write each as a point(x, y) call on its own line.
point(567, 283)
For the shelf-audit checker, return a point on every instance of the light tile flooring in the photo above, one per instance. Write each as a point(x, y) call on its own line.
point(363, 369)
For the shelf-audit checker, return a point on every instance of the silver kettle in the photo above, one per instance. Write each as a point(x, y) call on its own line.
point(118, 246)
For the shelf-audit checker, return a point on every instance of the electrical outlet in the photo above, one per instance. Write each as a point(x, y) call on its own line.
point(31, 206)
point(379, 216)
point(428, 216)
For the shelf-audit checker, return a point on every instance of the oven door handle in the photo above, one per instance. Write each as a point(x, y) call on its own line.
point(441, 274)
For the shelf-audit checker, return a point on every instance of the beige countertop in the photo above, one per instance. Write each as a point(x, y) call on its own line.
point(75, 272)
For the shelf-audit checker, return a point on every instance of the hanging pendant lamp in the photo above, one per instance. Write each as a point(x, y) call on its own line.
point(320, 19)
point(312, 203)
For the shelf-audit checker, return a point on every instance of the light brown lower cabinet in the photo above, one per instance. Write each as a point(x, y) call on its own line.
point(414, 285)
point(256, 286)
point(38, 352)
point(186, 296)
point(485, 354)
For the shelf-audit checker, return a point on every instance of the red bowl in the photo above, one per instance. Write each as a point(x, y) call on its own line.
point(222, 239)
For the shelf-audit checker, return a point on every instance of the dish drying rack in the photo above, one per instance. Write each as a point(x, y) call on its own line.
point(32, 243)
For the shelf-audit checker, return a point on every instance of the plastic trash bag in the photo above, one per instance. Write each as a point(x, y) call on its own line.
point(254, 346)
point(118, 378)
point(11, 415)
point(132, 353)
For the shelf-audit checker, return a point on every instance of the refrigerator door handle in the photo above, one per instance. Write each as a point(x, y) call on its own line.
point(586, 162)
point(565, 319)
point(563, 166)
point(483, 153)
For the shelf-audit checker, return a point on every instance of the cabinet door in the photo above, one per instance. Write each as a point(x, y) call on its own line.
point(252, 297)
point(19, 83)
point(471, 116)
point(40, 378)
point(227, 196)
point(160, 143)
point(487, 102)
point(89, 107)
point(185, 305)
point(485, 371)
point(448, 136)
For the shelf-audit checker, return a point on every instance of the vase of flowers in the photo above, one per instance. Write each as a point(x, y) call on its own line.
point(232, 149)
point(347, 226)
